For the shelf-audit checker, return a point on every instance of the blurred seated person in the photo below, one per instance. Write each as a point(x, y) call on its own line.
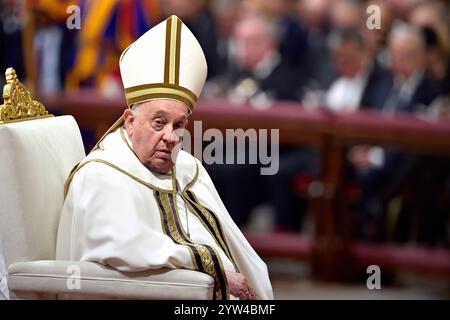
point(257, 75)
point(432, 18)
point(346, 14)
point(356, 81)
point(289, 30)
point(382, 172)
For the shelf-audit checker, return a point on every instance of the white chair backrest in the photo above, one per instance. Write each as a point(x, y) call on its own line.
point(37, 152)
point(35, 159)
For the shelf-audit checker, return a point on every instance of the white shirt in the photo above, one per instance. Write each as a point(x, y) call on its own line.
point(345, 93)
point(405, 89)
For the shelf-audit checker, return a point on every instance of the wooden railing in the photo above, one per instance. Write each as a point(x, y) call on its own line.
point(332, 251)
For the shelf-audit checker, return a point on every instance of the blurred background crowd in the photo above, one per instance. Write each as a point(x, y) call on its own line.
point(319, 53)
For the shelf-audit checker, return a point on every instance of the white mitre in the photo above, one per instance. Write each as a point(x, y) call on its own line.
point(165, 62)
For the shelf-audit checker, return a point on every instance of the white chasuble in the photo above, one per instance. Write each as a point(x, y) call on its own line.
point(119, 213)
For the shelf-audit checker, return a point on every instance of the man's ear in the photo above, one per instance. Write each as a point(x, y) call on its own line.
point(129, 118)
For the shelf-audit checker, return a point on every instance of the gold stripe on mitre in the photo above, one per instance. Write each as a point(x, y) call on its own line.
point(172, 53)
point(146, 92)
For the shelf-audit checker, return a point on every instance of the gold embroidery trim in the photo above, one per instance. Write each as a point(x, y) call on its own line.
point(182, 239)
point(177, 51)
point(215, 230)
point(144, 92)
point(170, 89)
point(172, 53)
point(191, 183)
point(116, 124)
point(169, 221)
point(122, 134)
point(173, 232)
point(167, 51)
point(79, 166)
point(172, 48)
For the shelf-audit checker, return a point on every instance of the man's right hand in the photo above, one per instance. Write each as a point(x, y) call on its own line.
point(239, 287)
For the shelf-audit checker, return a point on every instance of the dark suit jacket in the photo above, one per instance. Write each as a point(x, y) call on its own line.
point(283, 83)
point(426, 91)
point(380, 83)
point(376, 90)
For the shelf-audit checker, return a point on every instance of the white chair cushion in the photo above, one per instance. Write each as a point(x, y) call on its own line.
point(96, 280)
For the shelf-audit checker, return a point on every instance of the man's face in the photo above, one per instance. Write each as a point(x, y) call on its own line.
point(407, 56)
point(348, 58)
point(252, 44)
point(155, 128)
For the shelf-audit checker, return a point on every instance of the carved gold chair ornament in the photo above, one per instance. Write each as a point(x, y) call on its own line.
point(18, 104)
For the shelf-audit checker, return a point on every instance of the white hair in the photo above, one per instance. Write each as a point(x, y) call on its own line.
point(267, 24)
point(401, 30)
point(135, 107)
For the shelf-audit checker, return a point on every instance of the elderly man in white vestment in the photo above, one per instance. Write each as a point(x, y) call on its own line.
point(137, 202)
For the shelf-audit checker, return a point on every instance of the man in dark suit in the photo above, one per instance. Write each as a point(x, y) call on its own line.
point(356, 81)
point(257, 75)
point(410, 91)
point(257, 69)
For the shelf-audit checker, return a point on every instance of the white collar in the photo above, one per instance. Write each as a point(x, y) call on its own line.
point(116, 148)
point(265, 67)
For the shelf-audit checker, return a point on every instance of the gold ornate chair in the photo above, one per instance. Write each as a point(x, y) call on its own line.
point(38, 151)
